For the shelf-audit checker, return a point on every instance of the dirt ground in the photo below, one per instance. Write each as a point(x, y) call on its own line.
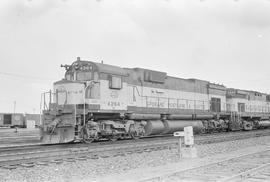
point(142, 174)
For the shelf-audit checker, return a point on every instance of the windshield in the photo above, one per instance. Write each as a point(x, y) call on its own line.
point(84, 76)
point(69, 76)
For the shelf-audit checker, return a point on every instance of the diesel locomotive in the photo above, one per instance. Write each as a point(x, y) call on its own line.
point(97, 101)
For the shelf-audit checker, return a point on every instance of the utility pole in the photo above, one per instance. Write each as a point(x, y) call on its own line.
point(14, 109)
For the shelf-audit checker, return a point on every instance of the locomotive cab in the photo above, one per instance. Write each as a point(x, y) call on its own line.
point(71, 97)
point(80, 84)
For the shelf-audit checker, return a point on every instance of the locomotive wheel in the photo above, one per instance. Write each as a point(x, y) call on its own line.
point(85, 136)
point(134, 135)
point(87, 139)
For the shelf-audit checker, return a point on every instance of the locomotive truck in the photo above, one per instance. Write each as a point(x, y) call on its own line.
point(97, 101)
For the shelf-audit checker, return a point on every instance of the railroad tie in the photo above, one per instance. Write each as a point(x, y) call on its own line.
point(29, 164)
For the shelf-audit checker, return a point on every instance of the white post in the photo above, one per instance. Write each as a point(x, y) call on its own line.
point(180, 147)
point(189, 151)
point(189, 138)
point(179, 134)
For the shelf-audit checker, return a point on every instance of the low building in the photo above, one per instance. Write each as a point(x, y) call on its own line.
point(12, 120)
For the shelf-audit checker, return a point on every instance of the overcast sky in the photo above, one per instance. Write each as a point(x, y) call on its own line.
point(222, 41)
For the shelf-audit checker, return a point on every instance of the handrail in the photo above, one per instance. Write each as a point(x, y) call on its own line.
point(204, 105)
point(48, 101)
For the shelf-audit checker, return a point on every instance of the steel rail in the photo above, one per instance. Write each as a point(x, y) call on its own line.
point(246, 174)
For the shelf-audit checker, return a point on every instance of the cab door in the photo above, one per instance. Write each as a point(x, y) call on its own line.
point(241, 107)
point(215, 104)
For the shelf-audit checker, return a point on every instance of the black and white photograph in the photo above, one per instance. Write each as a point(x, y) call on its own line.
point(134, 90)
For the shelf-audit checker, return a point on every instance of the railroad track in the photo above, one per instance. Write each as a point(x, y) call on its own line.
point(31, 155)
point(44, 157)
point(249, 167)
point(199, 139)
point(258, 174)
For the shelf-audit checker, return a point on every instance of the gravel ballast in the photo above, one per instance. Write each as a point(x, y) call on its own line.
point(96, 168)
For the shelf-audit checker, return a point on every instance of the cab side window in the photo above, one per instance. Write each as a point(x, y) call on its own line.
point(115, 82)
point(93, 91)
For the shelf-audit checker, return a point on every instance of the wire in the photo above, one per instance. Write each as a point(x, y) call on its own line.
point(25, 76)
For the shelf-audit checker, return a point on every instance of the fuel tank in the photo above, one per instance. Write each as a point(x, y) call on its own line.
point(154, 127)
point(264, 123)
point(157, 127)
point(172, 126)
